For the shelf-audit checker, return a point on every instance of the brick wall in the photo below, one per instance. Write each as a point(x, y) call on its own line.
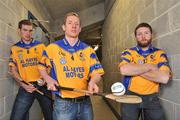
point(11, 12)
point(118, 29)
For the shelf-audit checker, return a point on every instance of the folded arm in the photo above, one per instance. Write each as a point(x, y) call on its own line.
point(132, 69)
point(147, 71)
point(159, 76)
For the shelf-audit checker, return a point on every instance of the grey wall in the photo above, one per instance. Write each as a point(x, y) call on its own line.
point(118, 29)
point(88, 16)
point(11, 12)
point(108, 5)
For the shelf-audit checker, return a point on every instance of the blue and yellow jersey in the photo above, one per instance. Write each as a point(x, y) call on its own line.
point(26, 58)
point(136, 55)
point(70, 66)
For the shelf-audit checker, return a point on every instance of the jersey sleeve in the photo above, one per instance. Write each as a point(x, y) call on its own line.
point(163, 63)
point(95, 65)
point(125, 57)
point(12, 61)
point(45, 61)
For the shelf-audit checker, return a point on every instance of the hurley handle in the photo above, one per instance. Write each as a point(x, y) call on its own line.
point(64, 88)
point(72, 89)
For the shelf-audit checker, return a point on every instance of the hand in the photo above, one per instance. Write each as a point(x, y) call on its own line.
point(29, 88)
point(92, 87)
point(51, 84)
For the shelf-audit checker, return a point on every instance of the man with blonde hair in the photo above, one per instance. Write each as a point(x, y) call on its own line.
point(73, 64)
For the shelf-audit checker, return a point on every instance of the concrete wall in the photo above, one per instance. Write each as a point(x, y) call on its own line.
point(108, 5)
point(11, 12)
point(39, 11)
point(118, 29)
point(88, 16)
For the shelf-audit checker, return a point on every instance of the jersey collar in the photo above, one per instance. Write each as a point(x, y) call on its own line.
point(24, 45)
point(67, 43)
point(146, 52)
point(22, 42)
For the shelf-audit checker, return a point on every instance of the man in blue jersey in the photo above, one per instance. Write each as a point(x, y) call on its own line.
point(144, 67)
point(73, 64)
point(25, 56)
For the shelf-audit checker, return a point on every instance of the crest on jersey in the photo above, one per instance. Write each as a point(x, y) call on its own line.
point(63, 60)
point(20, 56)
point(82, 56)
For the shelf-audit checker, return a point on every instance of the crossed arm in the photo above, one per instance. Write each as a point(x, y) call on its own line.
point(147, 71)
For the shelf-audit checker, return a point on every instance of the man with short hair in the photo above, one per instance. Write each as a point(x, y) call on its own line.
point(144, 67)
point(73, 64)
point(23, 64)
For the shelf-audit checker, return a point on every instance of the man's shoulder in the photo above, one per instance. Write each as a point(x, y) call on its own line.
point(159, 50)
point(16, 44)
point(55, 44)
point(83, 45)
point(59, 43)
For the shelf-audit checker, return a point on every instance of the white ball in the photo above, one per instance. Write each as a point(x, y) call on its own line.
point(118, 89)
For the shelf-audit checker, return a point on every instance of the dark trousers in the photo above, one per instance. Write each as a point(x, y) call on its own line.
point(152, 109)
point(24, 101)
